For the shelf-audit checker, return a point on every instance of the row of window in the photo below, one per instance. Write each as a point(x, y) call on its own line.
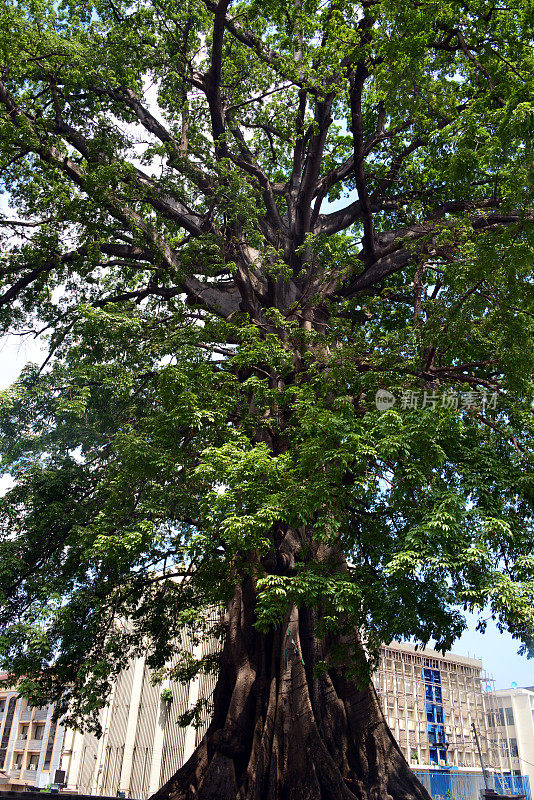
point(506, 748)
point(497, 716)
point(33, 730)
point(27, 705)
point(434, 713)
point(431, 675)
point(433, 693)
point(392, 656)
point(36, 733)
point(31, 763)
point(437, 756)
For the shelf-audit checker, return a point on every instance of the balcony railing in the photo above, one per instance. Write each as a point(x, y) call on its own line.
point(30, 774)
point(40, 714)
point(25, 715)
point(14, 773)
point(35, 744)
point(20, 744)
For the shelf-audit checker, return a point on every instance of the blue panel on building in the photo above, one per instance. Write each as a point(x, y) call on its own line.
point(435, 716)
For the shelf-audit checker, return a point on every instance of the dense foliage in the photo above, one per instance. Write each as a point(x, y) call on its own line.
point(236, 222)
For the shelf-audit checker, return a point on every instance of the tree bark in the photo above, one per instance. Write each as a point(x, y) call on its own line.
point(279, 732)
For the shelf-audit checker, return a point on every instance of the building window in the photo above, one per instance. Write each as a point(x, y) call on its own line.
point(50, 745)
point(436, 734)
point(498, 716)
point(513, 748)
point(32, 764)
point(38, 732)
point(7, 730)
point(509, 715)
point(431, 675)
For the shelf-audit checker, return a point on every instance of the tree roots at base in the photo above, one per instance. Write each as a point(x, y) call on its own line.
point(279, 733)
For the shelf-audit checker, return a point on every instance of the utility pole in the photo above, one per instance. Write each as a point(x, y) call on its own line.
point(492, 794)
point(484, 771)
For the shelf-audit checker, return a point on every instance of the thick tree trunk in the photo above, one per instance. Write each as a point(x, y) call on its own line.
point(279, 733)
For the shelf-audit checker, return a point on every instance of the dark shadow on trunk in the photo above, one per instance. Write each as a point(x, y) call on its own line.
point(279, 733)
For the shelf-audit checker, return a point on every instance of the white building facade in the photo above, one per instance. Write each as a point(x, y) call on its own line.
point(511, 727)
point(31, 743)
point(142, 744)
point(430, 702)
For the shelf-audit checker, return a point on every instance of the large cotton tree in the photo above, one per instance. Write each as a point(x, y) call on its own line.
point(236, 222)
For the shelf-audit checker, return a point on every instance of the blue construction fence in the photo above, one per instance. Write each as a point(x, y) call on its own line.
point(469, 786)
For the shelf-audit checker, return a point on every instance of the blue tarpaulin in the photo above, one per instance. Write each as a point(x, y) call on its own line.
point(445, 785)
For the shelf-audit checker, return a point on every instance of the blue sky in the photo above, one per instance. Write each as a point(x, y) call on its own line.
point(498, 651)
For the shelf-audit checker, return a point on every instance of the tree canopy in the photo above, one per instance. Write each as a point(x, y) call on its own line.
point(236, 222)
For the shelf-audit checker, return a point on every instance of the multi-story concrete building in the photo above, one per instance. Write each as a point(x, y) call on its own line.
point(430, 701)
point(142, 744)
point(511, 727)
point(30, 743)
